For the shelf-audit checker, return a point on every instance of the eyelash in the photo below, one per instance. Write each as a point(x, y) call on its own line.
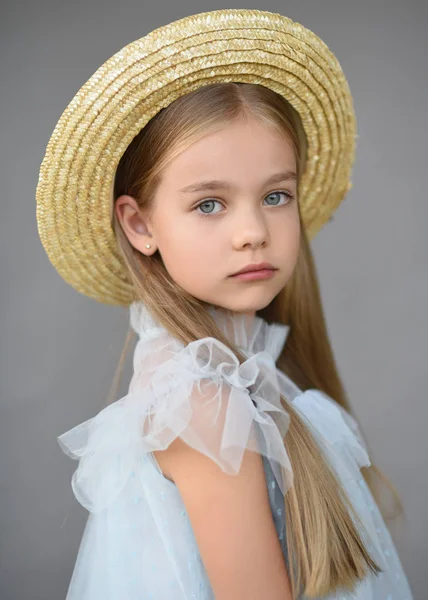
point(289, 196)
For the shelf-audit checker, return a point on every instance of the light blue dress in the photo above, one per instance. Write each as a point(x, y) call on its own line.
point(138, 542)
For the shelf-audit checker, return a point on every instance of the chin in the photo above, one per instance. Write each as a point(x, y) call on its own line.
point(249, 308)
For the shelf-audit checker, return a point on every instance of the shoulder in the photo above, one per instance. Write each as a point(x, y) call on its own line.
point(229, 511)
point(232, 522)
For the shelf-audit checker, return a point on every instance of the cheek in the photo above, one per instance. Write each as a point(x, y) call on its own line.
point(290, 241)
point(186, 251)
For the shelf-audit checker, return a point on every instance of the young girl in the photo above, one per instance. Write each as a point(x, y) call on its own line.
point(216, 144)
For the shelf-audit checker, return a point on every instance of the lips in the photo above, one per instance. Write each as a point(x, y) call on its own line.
point(255, 267)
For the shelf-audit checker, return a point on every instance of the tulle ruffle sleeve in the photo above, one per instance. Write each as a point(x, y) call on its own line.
point(199, 393)
point(335, 429)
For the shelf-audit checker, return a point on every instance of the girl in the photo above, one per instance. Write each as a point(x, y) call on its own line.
point(185, 180)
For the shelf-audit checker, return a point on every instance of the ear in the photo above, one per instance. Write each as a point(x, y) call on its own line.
point(135, 227)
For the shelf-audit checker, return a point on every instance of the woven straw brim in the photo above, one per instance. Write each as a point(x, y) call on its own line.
point(75, 189)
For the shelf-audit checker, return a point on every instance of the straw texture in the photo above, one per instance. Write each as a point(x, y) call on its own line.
point(74, 192)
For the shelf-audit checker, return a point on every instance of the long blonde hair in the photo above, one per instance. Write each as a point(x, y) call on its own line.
point(326, 551)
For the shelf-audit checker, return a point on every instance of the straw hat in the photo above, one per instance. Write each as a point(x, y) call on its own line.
point(74, 191)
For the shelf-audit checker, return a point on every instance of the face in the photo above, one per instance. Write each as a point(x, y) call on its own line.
point(225, 202)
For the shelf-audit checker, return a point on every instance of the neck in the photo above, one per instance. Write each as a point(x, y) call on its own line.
point(233, 321)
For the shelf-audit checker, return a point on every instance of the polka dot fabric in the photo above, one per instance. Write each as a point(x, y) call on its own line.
point(138, 542)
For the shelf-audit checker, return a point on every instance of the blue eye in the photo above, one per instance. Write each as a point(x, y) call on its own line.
point(272, 194)
point(205, 203)
point(212, 201)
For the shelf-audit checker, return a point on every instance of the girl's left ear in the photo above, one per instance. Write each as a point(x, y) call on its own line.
point(134, 225)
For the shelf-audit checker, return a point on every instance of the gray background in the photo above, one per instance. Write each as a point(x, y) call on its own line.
point(59, 349)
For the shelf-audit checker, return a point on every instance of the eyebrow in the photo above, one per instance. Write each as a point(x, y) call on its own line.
point(215, 184)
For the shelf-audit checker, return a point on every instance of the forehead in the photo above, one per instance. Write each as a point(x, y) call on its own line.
point(242, 149)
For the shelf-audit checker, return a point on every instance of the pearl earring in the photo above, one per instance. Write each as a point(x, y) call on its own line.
point(147, 245)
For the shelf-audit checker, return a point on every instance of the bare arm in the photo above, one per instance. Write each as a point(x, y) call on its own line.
point(232, 523)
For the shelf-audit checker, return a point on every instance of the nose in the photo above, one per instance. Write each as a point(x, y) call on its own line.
point(250, 229)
